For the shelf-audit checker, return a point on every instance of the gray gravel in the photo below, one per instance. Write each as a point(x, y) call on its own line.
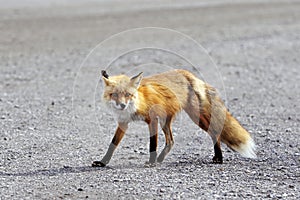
point(47, 146)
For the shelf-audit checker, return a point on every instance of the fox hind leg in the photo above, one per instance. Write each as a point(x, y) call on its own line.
point(201, 118)
point(218, 157)
point(203, 123)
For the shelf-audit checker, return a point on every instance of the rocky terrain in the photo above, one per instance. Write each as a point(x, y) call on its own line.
point(53, 125)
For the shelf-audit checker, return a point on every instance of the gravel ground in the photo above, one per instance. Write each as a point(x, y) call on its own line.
point(48, 145)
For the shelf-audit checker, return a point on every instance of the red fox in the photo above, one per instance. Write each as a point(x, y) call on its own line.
point(157, 99)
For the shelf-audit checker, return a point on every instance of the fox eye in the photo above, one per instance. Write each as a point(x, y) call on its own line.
point(114, 95)
point(127, 94)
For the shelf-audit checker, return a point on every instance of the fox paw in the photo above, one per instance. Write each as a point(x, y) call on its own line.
point(217, 160)
point(98, 164)
point(149, 165)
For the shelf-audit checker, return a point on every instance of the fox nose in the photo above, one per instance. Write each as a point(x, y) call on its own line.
point(122, 105)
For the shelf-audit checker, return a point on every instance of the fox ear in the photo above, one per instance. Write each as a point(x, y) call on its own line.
point(106, 81)
point(136, 80)
point(105, 78)
point(104, 74)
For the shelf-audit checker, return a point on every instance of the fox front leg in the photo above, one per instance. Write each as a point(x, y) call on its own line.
point(153, 126)
point(113, 145)
point(166, 127)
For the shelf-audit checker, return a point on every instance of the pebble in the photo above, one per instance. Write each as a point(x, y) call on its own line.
point(288, 130)
point(162, 190)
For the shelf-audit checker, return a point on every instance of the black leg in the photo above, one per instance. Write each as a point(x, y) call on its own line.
point(218, 158)
point(153, 126)
point(153, 147)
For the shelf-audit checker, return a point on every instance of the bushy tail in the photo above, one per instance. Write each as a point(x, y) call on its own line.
point(214, 117)
point(237, 138)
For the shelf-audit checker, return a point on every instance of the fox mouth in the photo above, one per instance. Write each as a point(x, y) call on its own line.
point(120, 107)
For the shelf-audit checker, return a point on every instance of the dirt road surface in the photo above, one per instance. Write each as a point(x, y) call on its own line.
point(52, 124)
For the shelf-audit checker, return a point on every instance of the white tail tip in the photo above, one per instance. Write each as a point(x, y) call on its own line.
point(247, 150)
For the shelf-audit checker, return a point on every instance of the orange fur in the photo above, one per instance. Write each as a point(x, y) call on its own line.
point(158, 98)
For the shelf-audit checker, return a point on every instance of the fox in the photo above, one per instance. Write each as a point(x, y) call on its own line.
point(157, 99)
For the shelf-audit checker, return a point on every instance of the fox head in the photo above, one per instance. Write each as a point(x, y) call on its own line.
point(120, 92)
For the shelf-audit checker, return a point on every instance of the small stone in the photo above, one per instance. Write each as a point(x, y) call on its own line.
point(80, 189)
point(288, 130)
point(162, 190)
point(284, 195)
point(52, 103)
